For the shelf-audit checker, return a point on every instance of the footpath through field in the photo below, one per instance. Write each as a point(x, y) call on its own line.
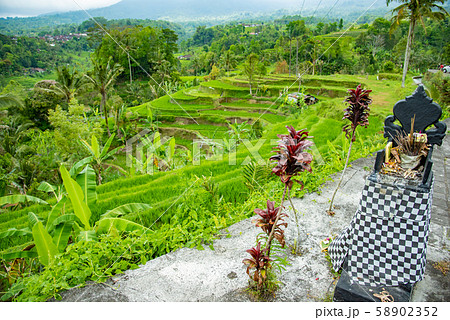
point(219, 275)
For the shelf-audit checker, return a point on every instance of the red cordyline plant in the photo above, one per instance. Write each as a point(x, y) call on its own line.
point(292, 159)
point(260, 261)
point(291, 155)
point(357, 112)
point(267, 218)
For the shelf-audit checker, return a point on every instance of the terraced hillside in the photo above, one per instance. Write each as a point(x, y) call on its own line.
point(205, 111)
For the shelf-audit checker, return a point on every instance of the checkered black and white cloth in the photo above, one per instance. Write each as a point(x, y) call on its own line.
point(386, 241)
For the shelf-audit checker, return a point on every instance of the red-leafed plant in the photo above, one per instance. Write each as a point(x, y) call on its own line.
point(357, 112)
point(259, 261)
point(291, 156)
point(292, 159)
point(267, 218)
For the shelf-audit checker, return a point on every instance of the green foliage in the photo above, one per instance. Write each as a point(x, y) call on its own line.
point(191, 225)
point(99, 156)
point(76, 197)
point(193, 218)
point(150, 46)
point(18, 198)
point(255, 175)
point(86, 179)
point(27, 53)
point(70, 127)
point(46, 249)
point(439, 85)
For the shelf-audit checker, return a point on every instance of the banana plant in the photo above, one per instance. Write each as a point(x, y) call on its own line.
point(110, 222)
point(154, 149)
point(238, 131)
point(51, 235)
point(98, 157)
point(20, 198)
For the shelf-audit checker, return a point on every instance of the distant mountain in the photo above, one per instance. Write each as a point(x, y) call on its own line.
point(192, 9)
point(204, 12)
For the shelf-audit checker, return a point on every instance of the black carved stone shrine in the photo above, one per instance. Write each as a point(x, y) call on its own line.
point(385, 245)
point(426, 114)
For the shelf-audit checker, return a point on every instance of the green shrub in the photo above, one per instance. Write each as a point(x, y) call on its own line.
point(439, 89)
point(390, 76)
point(388, 66)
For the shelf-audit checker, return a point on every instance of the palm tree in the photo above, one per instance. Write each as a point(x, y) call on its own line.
point(250, 68)
point(289, 28)
point(314, 46)
point(67, 83)
point(415, 11)
point(11, 104)
point(103, 77)
point(296, 29)
point(8, 100)
point(229, 60)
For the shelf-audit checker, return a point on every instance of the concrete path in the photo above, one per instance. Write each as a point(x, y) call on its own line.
point(219, 275)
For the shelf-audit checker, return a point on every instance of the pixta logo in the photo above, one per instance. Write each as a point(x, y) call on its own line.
point(148, 150)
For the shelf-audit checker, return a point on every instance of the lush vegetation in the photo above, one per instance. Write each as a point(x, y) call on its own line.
point(155, 141)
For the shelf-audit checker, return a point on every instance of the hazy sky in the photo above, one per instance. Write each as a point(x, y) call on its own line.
point(36, 7)
point(23, 8)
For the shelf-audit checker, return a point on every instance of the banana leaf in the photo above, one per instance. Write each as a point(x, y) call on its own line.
point(80, 164)
point(89, 235)
point(106, 147)
point(45, 247)
point(19, 198)
point(62, 234)
point(75, 193)
point(87, 180)
point(19, 255)
point(106, 225)
point(56, 210)
point(70, 217)
point(95, 147)
point(125, 209)
point(13, 232)
point(33, 218)
point(46, 187)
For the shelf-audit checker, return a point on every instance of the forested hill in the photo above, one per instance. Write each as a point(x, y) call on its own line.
point(205, 12)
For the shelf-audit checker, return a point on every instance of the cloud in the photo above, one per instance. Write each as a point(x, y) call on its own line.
point(36, 7)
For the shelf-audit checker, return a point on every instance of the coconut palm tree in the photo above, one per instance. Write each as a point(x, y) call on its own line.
point(68, 83)
point(103, 77)
point(229, 60)
point(8, 100)
point(415, 11)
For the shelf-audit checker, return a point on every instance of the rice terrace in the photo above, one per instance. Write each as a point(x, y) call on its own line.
point(217, 153)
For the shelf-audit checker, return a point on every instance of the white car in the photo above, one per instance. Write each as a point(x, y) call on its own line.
point(446, 69)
